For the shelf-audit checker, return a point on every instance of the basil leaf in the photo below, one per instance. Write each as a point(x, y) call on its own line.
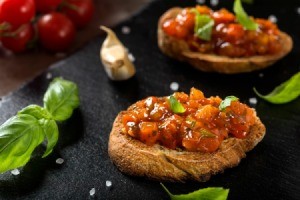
point(51, 133)
point(203, 26)
point(206, 133)
point(285, 92)
point(36, 111)
point(242, 16)
point(19, 136)
point(210, 193)
point(227, 102)
point(61, 99)
point(176, 106)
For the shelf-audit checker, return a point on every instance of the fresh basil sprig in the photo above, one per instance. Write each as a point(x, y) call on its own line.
point(210, 193)
point(203, 25)
point(242, 16)
point(285, 92)
point(227, 102)
point(21, 134)
point(175, 105)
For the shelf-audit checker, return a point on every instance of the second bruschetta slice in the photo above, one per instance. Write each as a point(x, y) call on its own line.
point(216, 40)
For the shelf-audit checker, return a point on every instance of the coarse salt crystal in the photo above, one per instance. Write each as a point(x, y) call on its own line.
point(253, 100)
point(59, 161)
point(273, 18)
point(108, 183)
point(92, 192)
point(131, 57)
point(49, 75)
point(174, 86)
point(298, 10)
point(261, 75)
point(214, 2)
point(15, 172)
point(200, 1)
point(126, 30)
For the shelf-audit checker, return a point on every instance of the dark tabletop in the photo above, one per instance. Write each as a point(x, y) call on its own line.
point(270, 171)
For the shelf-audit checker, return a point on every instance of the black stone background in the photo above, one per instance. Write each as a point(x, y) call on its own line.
point(270, 171)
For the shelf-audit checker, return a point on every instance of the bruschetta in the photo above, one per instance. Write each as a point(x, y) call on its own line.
point(183, 137)
point(229, 49)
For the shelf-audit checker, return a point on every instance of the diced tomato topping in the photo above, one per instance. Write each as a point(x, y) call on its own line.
point(202, 127)
point(229, 38)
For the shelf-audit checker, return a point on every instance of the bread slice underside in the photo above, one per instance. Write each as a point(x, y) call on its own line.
point(159, 163)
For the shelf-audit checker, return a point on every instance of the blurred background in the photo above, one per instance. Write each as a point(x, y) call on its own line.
point(19, 68)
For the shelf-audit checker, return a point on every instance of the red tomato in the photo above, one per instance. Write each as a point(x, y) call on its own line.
point(18, 40)
point(16, 12)
point(79, 11)
point(56, 31)
point(45, 6)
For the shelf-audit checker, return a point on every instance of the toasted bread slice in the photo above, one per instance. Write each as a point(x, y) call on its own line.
point(179, 49)
point(159, 163)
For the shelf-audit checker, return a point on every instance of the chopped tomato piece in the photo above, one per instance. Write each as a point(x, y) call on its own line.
point(148, 132)
point(202, 127)
point(223, 16)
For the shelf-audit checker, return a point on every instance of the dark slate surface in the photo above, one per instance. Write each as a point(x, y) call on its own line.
point(270, 171)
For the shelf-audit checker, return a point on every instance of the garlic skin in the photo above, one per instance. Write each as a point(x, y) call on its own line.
point(114, 57)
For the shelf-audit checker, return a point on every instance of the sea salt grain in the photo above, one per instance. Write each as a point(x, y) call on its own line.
point(59, 161)
point(15, 172)
point(131, 57)
point(200, 1)
point(126, 30)
point(174, 86)
point(253, 101)
point(108, 183)
point(214, 2)
point(92, 192)
point(273, 18)
point(49, 76)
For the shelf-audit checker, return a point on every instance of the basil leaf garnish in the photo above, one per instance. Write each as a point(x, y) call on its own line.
point(210, 193)
point(50, 130)
point(285, 92)
point(227, 102)
point(36, 111)
point(242, 16)
point(206, 133)
point(176, 106)
point(19, 136)
point(61, 99)
point(203, 25)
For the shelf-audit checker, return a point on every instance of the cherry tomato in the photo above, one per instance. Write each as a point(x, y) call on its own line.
point(56, 31)
point(79, 11)
point(16, 12)
point(45, 6)
point(18, 40)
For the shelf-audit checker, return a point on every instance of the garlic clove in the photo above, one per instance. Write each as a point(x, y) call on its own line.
point(115, 58)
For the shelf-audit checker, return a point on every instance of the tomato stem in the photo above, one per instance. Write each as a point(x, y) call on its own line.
point(69, 5)
point(12, 34)
point(4, 26)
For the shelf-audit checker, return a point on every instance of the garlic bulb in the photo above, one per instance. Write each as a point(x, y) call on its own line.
point(114, 57)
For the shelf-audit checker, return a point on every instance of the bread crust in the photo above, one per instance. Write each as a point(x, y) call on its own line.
point(159, 163)
point(179, 49)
